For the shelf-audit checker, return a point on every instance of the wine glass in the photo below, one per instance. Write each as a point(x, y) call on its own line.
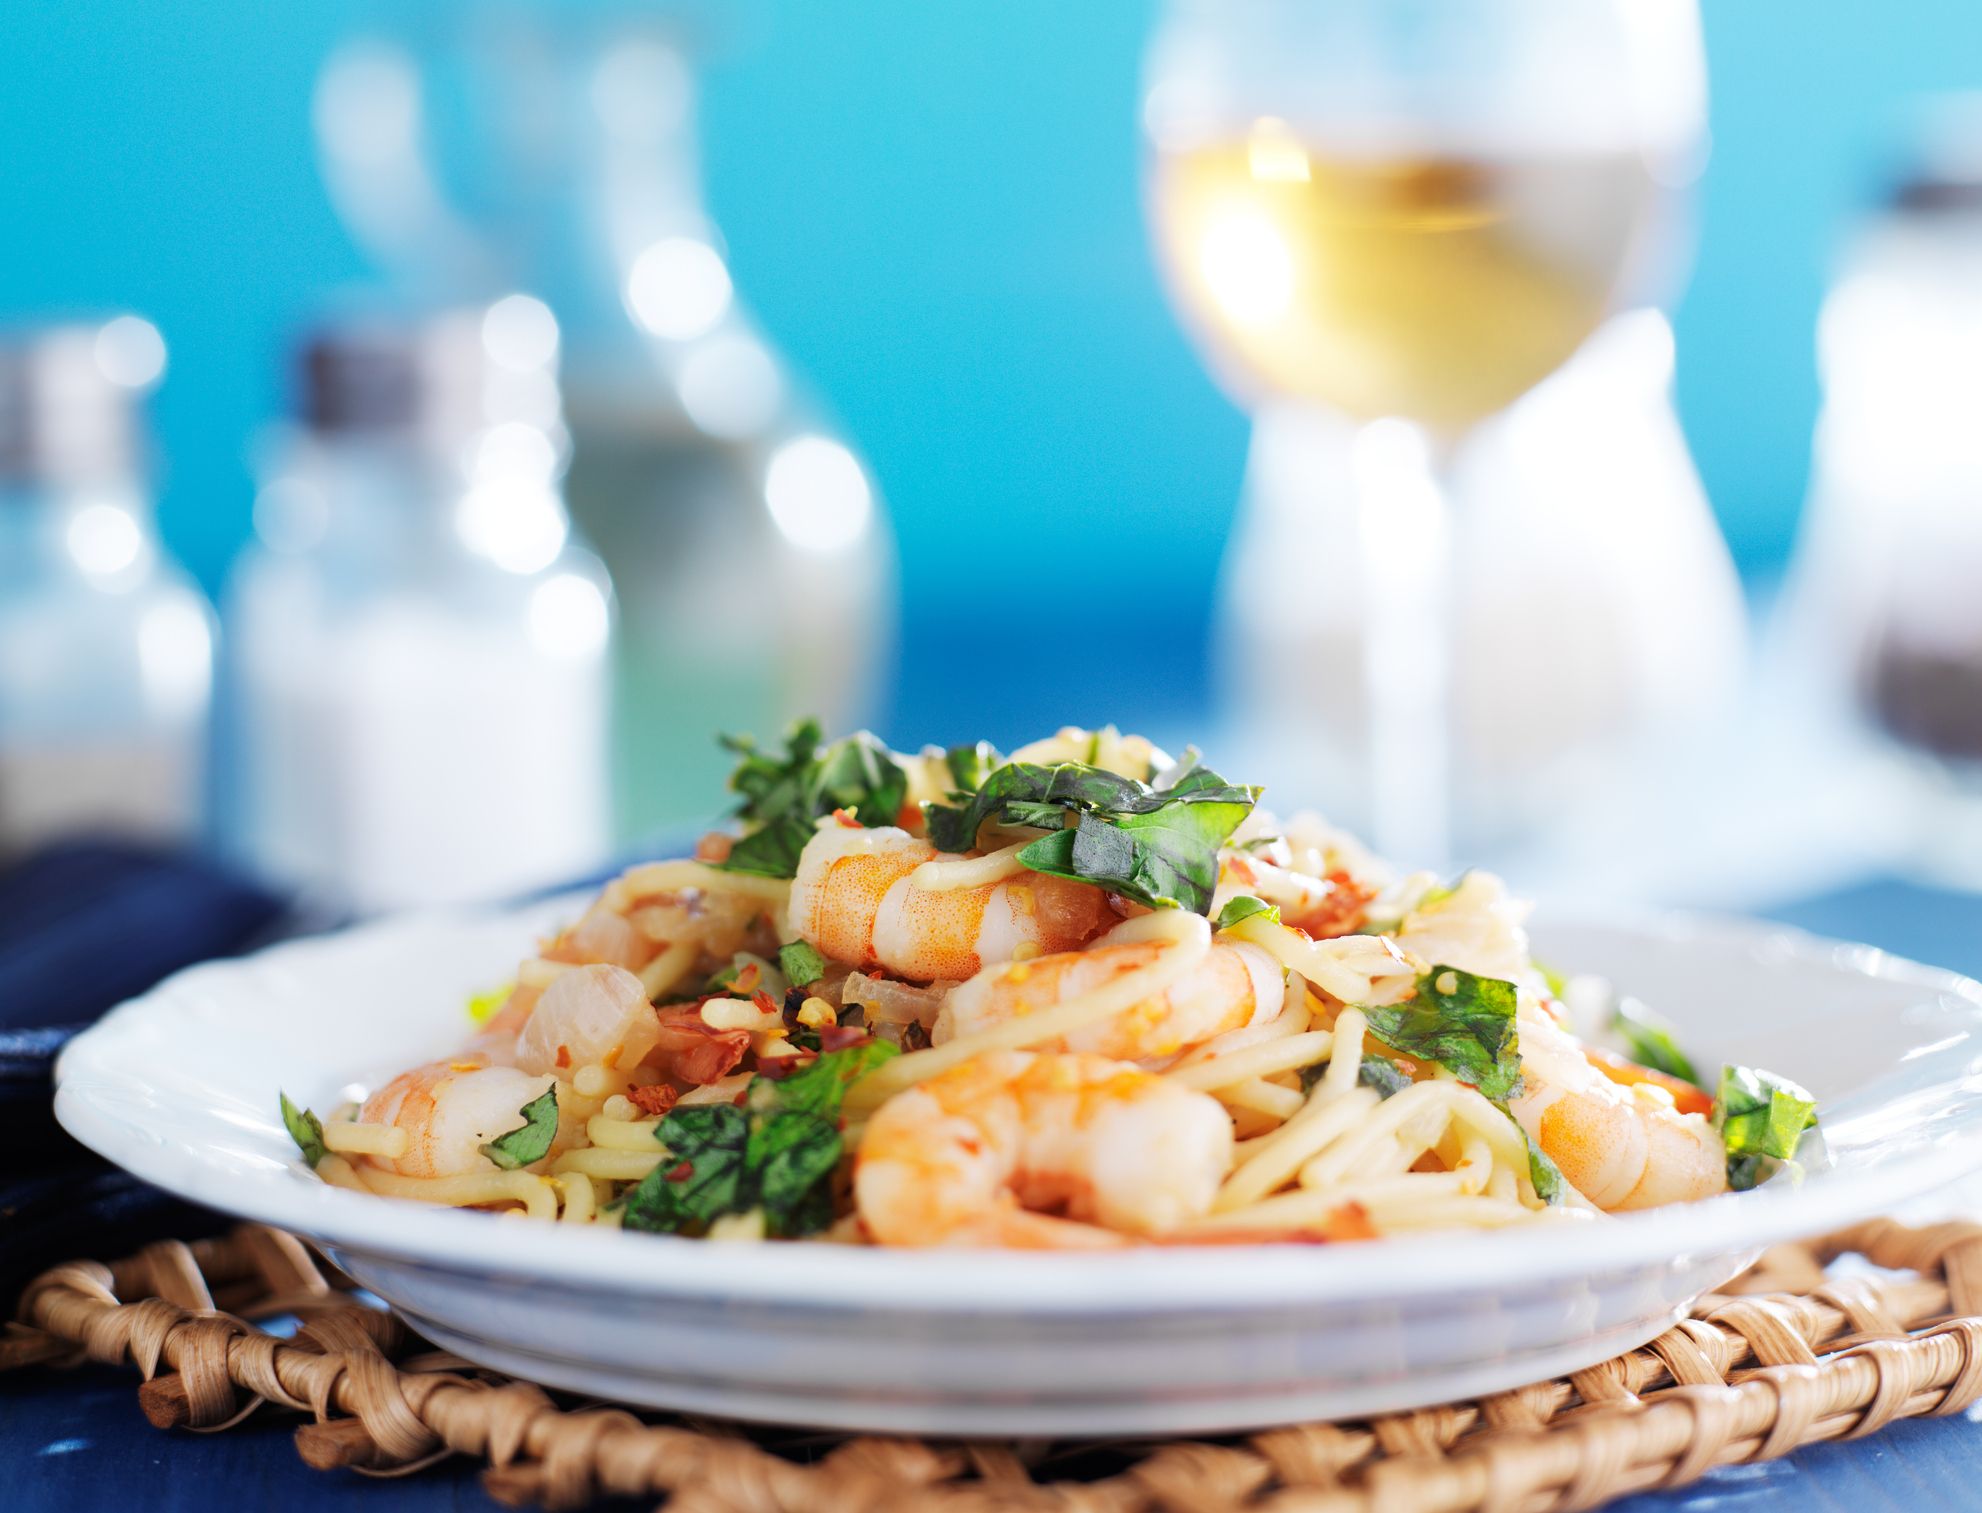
point(1411, 212)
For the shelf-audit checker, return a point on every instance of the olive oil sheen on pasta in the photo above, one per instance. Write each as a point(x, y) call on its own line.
point(1434, 287)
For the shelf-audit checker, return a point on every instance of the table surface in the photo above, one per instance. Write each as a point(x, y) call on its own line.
point(76, 1441)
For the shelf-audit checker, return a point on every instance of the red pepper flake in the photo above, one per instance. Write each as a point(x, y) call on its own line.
point(682, 1172)
point(714, 847)
point(746, 981)
point(1242, 870)
point(837, 1037)
point(777, 1068)
point(564, 1055)
point(1340, 913)
point(693, 1052)
point(766, 1004)
point(652, 1101)
point(847, 818)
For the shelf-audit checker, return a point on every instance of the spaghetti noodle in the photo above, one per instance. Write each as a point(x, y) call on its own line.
point(1299, 1045)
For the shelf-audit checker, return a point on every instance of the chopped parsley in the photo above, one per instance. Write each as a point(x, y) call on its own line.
point(785, 796)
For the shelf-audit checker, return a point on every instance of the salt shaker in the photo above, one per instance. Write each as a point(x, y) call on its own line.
point(106, 647)
point(420, 645)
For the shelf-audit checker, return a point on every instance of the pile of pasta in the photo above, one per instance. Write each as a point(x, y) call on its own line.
point(1081, 995)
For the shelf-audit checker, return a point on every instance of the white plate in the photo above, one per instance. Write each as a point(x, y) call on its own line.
point(180, 1087)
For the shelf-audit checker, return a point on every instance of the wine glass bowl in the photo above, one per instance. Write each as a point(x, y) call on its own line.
point(1411, 212)
point(1434, 288)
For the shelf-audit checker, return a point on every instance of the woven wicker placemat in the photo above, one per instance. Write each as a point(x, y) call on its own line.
point(1800, 1349)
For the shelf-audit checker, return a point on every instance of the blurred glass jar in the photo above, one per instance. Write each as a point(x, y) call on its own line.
point(472, 147)
point(419, 647)
point(1597, 611)
point(106, 648)
point(1884, 598)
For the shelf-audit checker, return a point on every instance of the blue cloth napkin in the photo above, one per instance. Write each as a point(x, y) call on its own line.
point(83, 926)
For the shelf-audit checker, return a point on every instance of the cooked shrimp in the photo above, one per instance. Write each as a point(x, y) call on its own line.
point(1236, 985)
point(449, 1110)
point(596, 1015)
point(1620, 1146)
point(976, 1155)
point(854, 899)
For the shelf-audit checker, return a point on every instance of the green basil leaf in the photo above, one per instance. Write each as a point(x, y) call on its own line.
point(784, 796)
point(701, 1177)
point(860, 775)
point(1542, 1171)
point(1464, 1023)
point(1761, 1118)
point(800, 963)
point(530, 1140)
point(1245, 906)
point(305, 1129)
point(1041, 795)
point(970, 765)
point(1648, 1040)
point(1167, 858)
point(776, 1153)
point(819, 1088)
point(772, 851)
point(789, 1156)
point(1038, 815)
point(1386, 1076)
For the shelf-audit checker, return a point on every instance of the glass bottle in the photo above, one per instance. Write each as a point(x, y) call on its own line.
point(1882, 604)
point(420, 648)
point(106, 648)
point(747, 542)
point(1585, 639)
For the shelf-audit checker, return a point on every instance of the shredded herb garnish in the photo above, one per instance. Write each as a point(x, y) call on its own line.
point(800, 963)
point(785, 796)
point(1460, 1021)
point(1157, 846)
point(530, 1140)
point(1761, 1118)
point(1244, 907)
point(774, 1153)
point(305, 1129)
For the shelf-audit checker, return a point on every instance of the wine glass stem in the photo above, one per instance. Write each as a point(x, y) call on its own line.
point(1403, 531)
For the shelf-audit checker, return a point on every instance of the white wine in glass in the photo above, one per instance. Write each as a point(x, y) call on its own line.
point(1431, 287)
point(1411, 212)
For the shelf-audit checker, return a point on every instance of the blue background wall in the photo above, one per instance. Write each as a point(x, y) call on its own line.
point(934, 208)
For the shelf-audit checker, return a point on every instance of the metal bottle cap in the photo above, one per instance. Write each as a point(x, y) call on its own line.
point(1942, 171)
point(72, 400)
point(434, 381)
